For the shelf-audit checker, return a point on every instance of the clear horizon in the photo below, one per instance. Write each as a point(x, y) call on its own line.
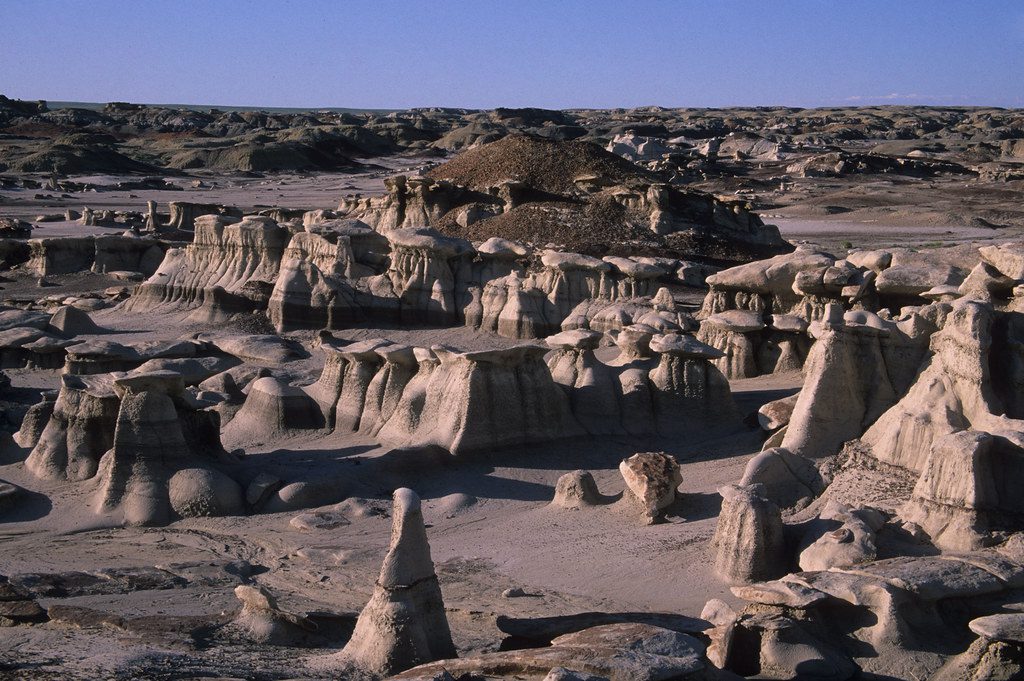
point(482, 55)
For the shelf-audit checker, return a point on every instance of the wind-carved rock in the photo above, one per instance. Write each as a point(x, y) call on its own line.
point(858, 367)
point(473, 401)
point(485, 399)
point(79, 431)
point(34, 423)
point(141, 436)
point(221, 269)
point(327, 278)
point(749, 544)
point(262, 621)
point(159, 466)
point(736, 333)
point(272, 409)
point(969, 381)
point(576, 490)
point(660, 384)
point(404, 623)
point(766, 286)
point(967, 490)
point(425, 269)
point(651, 480)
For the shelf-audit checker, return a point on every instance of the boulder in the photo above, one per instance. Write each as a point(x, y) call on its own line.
point(651, 480)
point(784, 478)
point(263, 622)
point(576, 490)
point(272, 409)
point(69, 321)
point(776, 414)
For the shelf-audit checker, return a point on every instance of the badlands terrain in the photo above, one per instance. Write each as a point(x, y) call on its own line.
point(511, 394)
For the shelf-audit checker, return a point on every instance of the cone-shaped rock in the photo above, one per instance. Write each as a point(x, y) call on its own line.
point(404, 624)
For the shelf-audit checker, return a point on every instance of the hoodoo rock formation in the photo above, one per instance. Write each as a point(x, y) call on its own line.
point(404, 623)
point(152, 450)
point(907, 428)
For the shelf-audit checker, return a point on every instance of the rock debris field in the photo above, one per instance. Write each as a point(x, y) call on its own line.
point(517, 394)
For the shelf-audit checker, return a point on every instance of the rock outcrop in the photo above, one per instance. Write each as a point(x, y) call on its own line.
point(404, 623)
point(749, 543)
point(160, 464)
point(615, 652)
point(227, 268)
point(262, 621)
point(576, 490)
point(651, 481)
point(858, 368)
point(78, 430)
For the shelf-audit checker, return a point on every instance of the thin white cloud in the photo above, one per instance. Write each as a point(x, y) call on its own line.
point(906, 97)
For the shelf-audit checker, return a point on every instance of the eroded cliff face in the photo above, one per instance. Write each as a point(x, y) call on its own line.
point(463, 402)
point(228, 267)
point(150, 450)
point(340, 272)
point(924, 412)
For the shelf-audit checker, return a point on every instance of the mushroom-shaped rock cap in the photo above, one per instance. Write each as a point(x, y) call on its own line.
point(663, 300)
point(634, 269)
point(424, 355)
point(10, 319)
point(1008, 628)
point(102, 348)
point(346, 227)
point(739, 321)
point(278, 387)
point(635, 339)
point(429, 240)
point(1007, 258)
point(663, 321)
point(408, 561)
point(258, 221)
point(397, 353)
point(872, 260)
point(363, 350)
point(512, 356)
point(942, 293)
point(789, 322)
point(161, 381)
point(868, 319)
point(502, 249)
point(97, 385)
point(573, 261)
point(20, 337)
point(683, 345)
point(576, 339)
point(49, 344)
point(780, 592)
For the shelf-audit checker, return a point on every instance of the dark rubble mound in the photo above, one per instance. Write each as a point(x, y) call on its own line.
point(78, 158)
point(545, 165)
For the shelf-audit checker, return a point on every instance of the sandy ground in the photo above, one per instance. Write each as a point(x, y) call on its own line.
point(305, 191)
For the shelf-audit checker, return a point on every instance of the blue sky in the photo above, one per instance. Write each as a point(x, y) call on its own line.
point(487, 53)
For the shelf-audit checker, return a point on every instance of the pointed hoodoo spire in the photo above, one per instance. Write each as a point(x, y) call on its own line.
point(403, 624)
